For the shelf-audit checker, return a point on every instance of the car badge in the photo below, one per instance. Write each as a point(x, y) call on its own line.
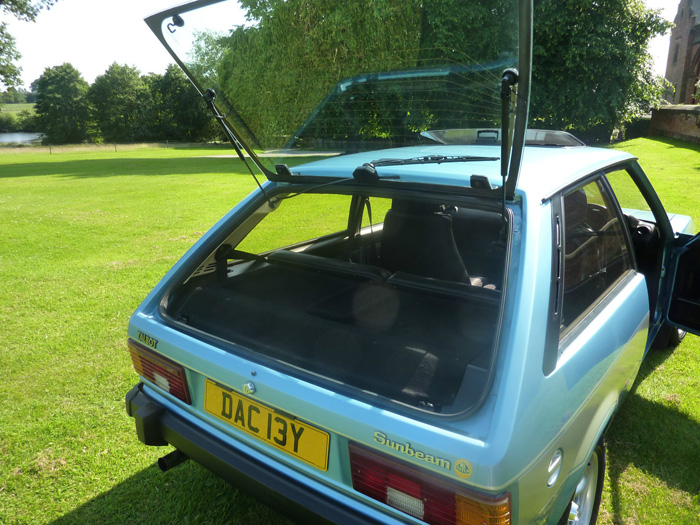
point(249, 388)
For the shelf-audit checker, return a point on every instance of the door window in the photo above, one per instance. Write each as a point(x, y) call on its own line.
point(596, 253)
point(628, 195)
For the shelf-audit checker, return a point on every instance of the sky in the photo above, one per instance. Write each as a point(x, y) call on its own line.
point(659, 46)
point(92, 34)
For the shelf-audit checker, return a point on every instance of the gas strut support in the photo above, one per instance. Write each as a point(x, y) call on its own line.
point(508, 80)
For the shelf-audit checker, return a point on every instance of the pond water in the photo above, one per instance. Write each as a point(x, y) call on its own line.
point(19, 138)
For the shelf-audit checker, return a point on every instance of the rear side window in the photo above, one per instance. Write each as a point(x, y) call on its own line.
point(596, 254)
point(299, 220)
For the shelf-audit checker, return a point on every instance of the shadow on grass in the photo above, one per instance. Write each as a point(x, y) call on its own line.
point(185, 494)
point(100, 168)
point(219, 162)
point(676, 143)
point(654, 437)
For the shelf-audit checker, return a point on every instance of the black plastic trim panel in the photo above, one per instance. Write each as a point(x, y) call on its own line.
point(156, 426)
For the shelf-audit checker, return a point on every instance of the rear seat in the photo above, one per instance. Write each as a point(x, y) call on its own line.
point(477, 235)
point(305, 261)
point(397, 280)
point(427, 285)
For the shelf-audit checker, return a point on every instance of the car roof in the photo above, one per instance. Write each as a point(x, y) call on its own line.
point(544, 169)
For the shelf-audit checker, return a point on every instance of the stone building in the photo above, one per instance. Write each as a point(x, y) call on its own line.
point(681, 119)
point(683, 66)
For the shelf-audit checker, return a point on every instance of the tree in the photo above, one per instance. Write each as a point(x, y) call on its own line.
point(478, 32)
point(122, 104)
point(278, 70)
point(9, 72)
point(591, 63)
point(16, 96)
point(62, 108)
point(178, 112)
point(23, 10)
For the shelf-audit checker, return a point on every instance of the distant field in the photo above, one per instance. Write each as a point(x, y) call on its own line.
point(87, 234)
point(16, 108)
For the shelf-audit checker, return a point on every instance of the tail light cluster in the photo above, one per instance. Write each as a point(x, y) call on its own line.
point(423, 496)
point(163, 372)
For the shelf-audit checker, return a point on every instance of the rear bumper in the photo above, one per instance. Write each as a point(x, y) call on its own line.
point(157, 426)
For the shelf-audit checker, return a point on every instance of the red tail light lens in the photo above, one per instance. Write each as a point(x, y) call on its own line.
point(422, 495)
point(161, 371)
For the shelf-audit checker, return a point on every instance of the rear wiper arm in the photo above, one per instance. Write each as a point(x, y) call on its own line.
point(430, 159)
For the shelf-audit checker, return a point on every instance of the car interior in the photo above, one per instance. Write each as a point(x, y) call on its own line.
point(406, 309)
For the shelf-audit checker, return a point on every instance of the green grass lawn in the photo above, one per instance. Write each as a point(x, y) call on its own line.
point(86, 235)
point(653, 473)
point(16, 108)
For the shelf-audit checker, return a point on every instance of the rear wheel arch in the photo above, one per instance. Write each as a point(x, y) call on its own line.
point(584, 504)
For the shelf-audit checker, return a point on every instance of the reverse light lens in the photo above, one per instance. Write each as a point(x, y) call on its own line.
point(422, 495)
point(405, 503)
point(162, 372)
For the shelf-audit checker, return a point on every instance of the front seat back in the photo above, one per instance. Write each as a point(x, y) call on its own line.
point(417, 238)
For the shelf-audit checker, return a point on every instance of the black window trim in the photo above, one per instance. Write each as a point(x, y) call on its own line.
point(556, 341)
point(551, 345)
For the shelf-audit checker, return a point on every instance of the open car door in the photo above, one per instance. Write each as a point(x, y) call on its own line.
point(683, 308)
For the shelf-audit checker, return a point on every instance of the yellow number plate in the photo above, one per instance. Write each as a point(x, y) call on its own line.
point(290, 435)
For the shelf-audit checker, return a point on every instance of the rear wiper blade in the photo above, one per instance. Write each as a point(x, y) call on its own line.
point(430, 159)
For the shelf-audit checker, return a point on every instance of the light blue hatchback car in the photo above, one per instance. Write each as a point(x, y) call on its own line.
point(426, 313)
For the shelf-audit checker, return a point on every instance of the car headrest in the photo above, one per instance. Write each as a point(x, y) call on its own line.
point(416, 207)
point(575, 208)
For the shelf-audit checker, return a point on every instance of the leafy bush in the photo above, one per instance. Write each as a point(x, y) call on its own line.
point(8, 122)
